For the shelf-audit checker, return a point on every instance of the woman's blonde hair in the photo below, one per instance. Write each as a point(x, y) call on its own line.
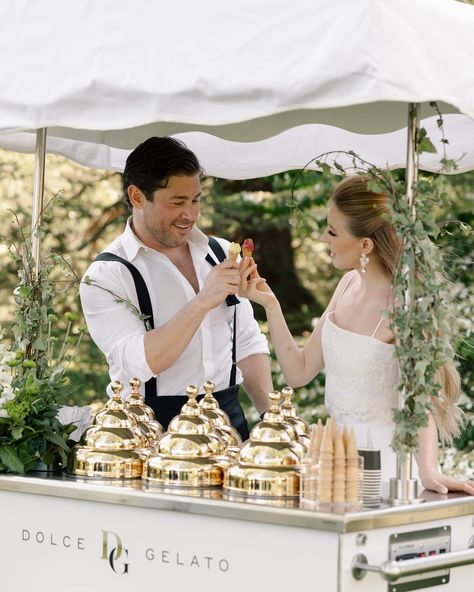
point(368, 215)
point(448, 416)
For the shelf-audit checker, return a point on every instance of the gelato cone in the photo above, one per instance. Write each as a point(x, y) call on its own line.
point(234, 250)
point(247, 248)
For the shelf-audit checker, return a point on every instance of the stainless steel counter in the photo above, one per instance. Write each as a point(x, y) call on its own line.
point(219, 504)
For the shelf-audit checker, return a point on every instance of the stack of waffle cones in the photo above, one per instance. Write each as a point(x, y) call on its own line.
point(334, 451)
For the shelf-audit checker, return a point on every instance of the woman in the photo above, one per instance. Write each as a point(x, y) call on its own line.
point(353, 341)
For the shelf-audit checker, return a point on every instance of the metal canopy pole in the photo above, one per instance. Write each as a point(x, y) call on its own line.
point(38, 194)
point(404, 489)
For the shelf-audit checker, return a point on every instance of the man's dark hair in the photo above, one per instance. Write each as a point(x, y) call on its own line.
point(153, 162)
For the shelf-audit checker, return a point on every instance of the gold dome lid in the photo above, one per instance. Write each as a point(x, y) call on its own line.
point(288, 408)
point(271, 454)
point(190, 445)
point(210, 406)
point(219, 418)
point(190, 453)
point(269, 462)
point(144, 415)
point(89, 462)
point(190, 434)
point(114, 413)
point(273, 442)
point(181, 472)
point(191, 419)
point(273, 427)
point(265, 482)
point(115, 438)
point(114, 428)
point(135, 402)
point(113, 447)
point(290, 413)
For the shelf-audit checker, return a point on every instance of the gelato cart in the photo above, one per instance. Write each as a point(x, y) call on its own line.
point(62, 533)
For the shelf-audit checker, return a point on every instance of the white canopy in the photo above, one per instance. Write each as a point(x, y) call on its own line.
point(252, 86)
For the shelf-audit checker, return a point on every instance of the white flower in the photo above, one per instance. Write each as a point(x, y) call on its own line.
point(6, 392)
point(80, 416)
point(5, 398)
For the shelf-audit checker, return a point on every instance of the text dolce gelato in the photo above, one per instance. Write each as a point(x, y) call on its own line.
point(206, 562)
point(41, 537)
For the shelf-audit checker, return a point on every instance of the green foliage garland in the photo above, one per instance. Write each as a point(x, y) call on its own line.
point(423, 318)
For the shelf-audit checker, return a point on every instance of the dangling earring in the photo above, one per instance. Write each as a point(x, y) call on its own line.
point(364, 261)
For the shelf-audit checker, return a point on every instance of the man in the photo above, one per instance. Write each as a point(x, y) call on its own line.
point(162, 266)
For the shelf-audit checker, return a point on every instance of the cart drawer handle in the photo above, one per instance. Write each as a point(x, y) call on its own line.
point(393, 570)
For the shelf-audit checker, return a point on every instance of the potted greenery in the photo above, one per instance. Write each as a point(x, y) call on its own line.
point(32, 369)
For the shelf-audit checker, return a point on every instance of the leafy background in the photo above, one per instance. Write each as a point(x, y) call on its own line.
point(284, 224)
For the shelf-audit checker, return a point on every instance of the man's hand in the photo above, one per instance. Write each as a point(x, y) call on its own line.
point(224, 279)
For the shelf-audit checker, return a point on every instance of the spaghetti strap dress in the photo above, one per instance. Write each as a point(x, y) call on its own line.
point(361, 388)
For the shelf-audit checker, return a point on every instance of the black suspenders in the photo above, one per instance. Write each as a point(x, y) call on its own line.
point(144, 302)
point(230, 301)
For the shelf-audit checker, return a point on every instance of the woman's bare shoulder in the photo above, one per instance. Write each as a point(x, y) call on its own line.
point(341, 286)
point(345, 281)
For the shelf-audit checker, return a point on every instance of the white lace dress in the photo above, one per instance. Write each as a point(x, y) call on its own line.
point(361, 380)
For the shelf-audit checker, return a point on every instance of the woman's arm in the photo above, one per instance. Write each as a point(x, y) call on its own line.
point(427, 460)
point(299, 365)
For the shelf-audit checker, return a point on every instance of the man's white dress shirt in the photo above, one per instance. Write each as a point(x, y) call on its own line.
point(119, 333)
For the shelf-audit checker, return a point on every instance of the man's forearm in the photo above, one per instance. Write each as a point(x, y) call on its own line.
point(257, 380)
point(164, 345)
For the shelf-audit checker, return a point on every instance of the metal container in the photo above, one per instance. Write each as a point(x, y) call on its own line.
point(191, 453)
point(268, 464)
point(113, 447)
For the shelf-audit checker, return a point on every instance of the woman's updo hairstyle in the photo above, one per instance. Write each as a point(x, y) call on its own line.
point(368, 215)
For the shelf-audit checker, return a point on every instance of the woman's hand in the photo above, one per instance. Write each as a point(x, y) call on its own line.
point(427, 460)
point(436, 481)
point(252, 286)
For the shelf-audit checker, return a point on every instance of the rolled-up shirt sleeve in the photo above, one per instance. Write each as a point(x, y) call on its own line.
point(107, 293)
point(250, 339)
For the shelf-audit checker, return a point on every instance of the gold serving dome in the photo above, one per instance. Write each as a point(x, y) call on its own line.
point(113, 447)
point(269, 462)
point(220, 420)
point(190, 454)
point(290, 413)
point(144, 415)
